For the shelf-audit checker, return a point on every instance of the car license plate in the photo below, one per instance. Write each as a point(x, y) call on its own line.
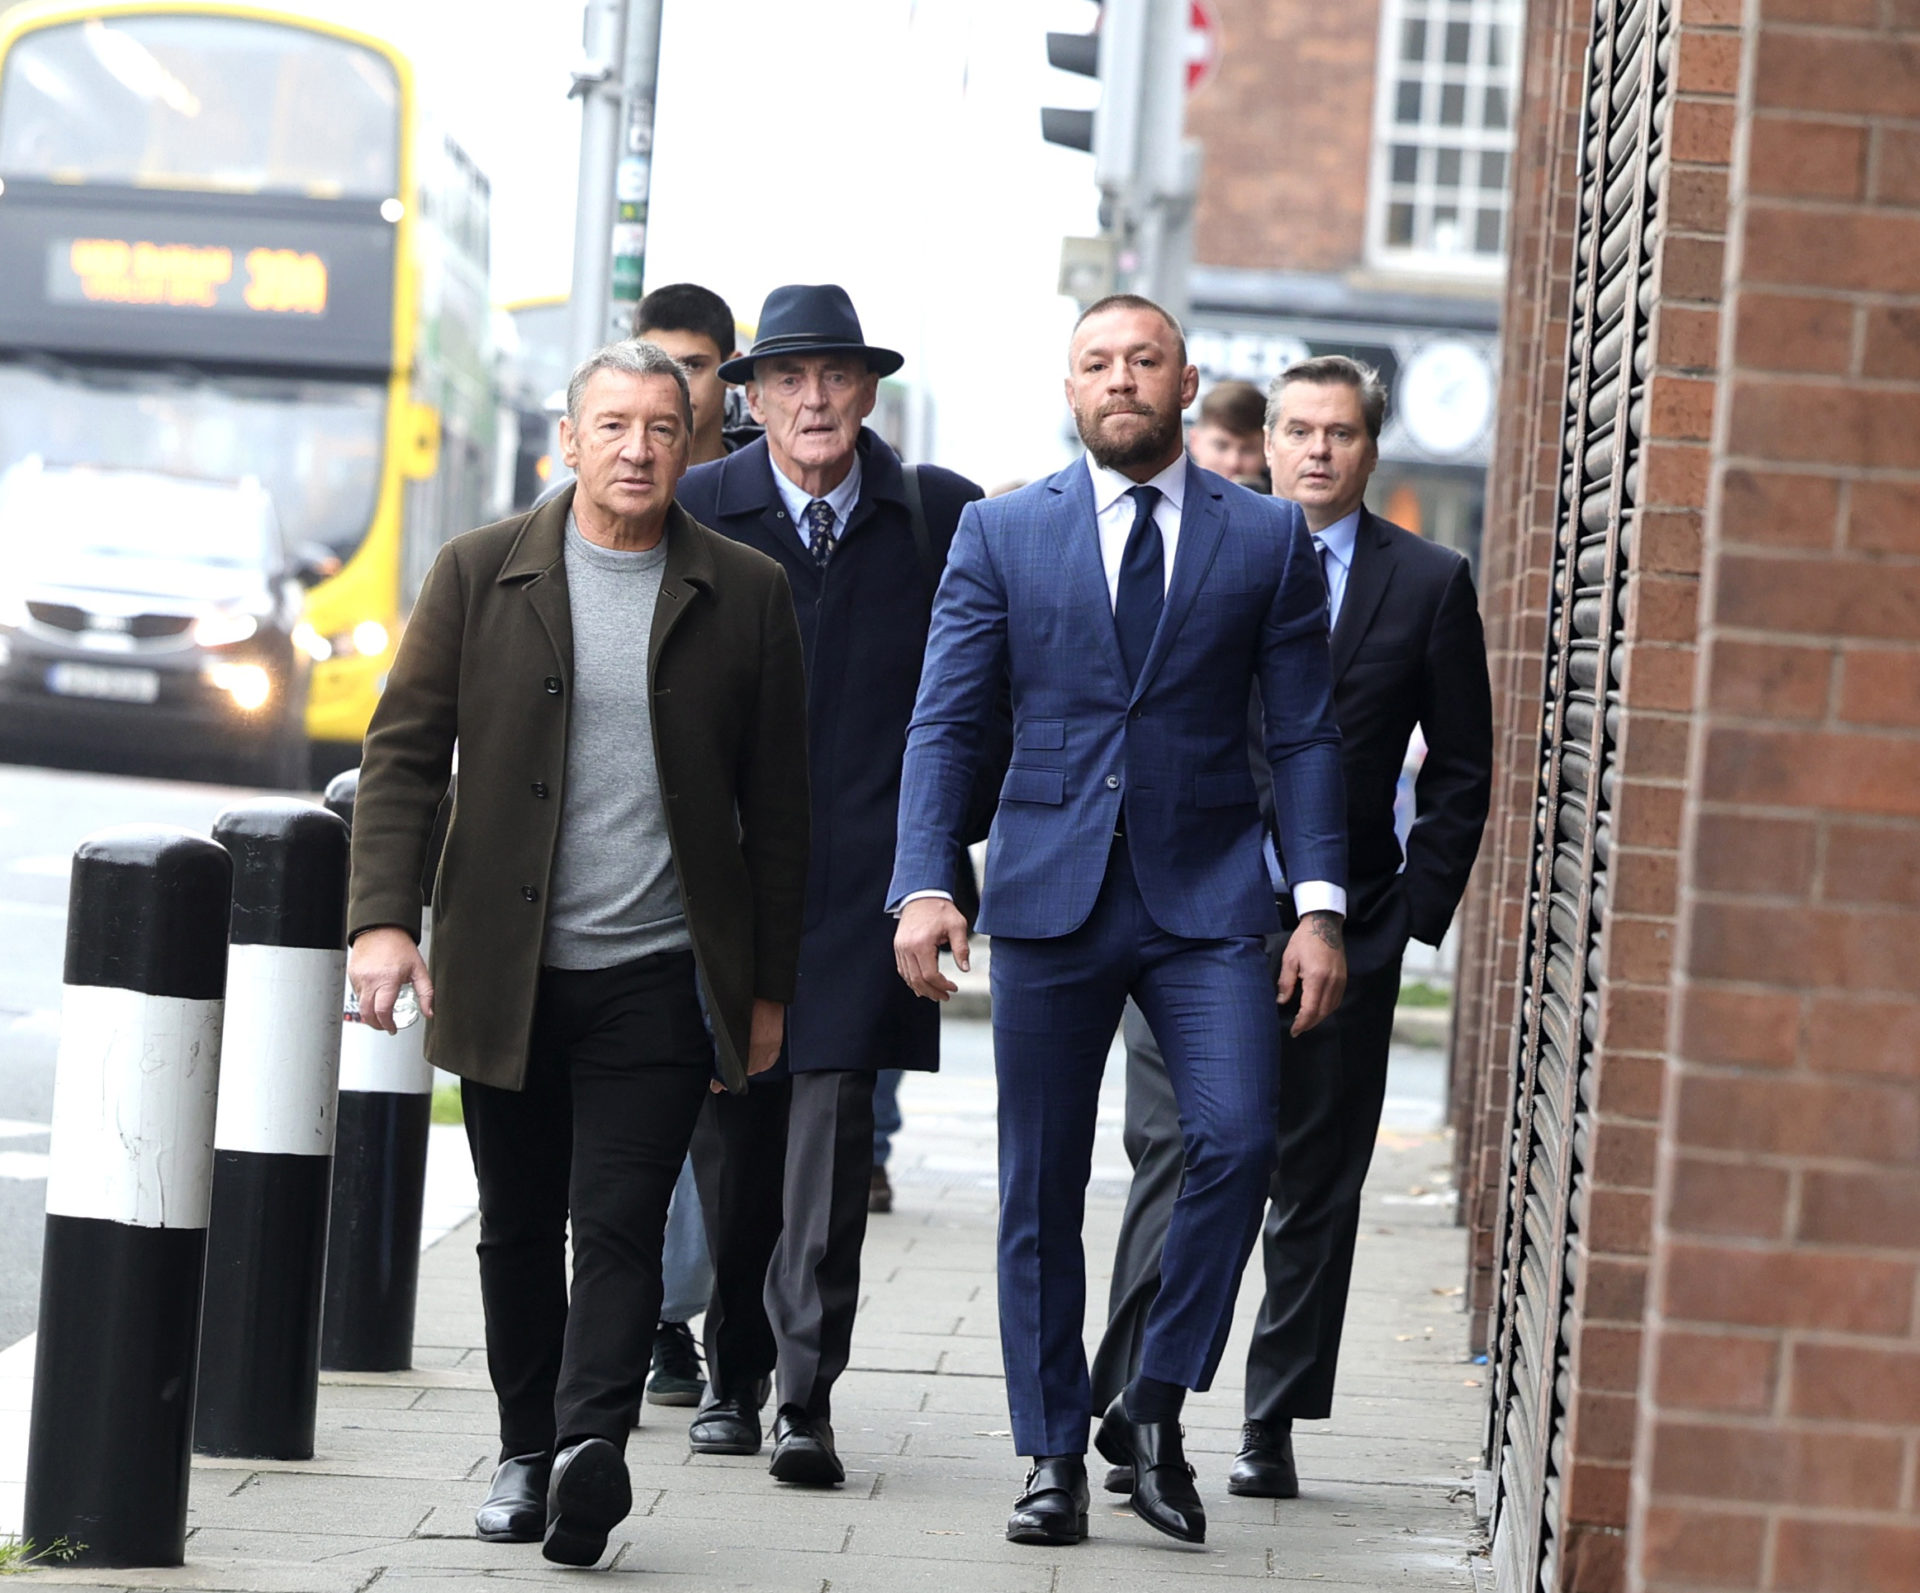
point(104, 682)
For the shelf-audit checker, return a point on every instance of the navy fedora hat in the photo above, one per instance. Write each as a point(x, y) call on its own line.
point(800, 319)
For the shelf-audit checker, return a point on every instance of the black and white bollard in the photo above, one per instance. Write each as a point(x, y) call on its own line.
point(273, 1138)
point(379, 1183)
point(111, 1436)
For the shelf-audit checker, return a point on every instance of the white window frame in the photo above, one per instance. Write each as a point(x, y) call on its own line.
point(1471, 138)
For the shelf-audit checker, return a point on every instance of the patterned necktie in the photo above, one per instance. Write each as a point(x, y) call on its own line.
point(1326, 575)
point(820, 531)
point(1142, 588)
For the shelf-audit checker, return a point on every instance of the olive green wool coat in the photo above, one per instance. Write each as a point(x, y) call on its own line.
point(487, 665)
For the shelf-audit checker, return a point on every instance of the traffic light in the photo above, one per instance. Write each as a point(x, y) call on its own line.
point(1146, 168)
point(1078, 53)
point(1115, 54)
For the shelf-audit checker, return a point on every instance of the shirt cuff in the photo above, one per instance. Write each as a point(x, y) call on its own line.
point(1318, 896)
point(916, 896)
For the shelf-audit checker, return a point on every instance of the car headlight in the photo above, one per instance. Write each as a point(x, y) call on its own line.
point(368, 639)
point(248, 685)
point(312, 643)
point(223, 630)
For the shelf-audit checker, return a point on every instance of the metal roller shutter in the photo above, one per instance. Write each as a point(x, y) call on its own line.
point(1622, 165)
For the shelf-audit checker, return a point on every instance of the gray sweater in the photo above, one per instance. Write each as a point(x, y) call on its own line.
point(613, 896)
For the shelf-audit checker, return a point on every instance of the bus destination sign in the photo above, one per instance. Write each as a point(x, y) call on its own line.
point(134, 274)
point(186, 276)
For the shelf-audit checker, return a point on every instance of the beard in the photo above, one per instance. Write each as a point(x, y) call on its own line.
point(1158, 441)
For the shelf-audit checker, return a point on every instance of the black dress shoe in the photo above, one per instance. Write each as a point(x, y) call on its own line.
point(1119, 1479)
point(515, 1509)
point(1163, 1493)
point(588, 1497)
point(1264, 1467)
point(1053, 1509)
point(726, 1427)
point(803, 1451)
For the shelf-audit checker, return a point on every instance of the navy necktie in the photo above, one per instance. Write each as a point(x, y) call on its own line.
point(820, 531)
point(1142, 590)
point(1326, 575)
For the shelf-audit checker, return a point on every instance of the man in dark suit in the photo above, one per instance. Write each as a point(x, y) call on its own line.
point(1407, 651)
point(1131, 602)
point(784, 1171)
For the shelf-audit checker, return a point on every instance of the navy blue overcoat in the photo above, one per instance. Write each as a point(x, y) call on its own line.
point(863, 625)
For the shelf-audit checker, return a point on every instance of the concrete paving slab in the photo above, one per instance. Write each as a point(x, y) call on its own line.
point(386, 1506)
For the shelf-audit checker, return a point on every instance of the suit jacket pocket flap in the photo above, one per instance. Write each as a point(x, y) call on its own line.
point(1034, 785)
point(1043, 735)
point(1228, 789)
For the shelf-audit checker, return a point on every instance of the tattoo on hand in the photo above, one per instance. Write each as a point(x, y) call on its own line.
point(1328, 928)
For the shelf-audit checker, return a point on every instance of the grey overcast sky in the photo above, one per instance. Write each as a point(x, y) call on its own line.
point(890, 145)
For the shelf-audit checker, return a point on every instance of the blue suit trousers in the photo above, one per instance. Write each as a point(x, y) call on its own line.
point(1056, 1005)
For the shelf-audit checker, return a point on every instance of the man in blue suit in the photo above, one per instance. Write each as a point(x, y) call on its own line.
point(1132, 602)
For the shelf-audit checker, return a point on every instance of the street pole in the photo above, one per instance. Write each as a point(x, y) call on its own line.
point(633, 177)
point(596, 81)
point(1147, 169)
point(1166, 169)
point(1166, 253)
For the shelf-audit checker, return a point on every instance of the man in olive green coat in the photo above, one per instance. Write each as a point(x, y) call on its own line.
point(617, 908)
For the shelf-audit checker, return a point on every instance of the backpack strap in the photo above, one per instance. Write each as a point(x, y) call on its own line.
point(917, 518)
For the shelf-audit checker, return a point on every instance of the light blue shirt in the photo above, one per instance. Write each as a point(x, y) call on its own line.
point(841, 500)
point(1338, 540)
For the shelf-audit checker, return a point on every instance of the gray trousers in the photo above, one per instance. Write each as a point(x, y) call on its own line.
point(1332, 1086)
point(784, 1172)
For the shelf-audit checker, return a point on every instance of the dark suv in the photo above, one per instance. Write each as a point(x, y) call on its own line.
point(154, 611)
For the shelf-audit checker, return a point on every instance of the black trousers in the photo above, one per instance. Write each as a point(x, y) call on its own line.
point(783, 1173)
point(1333, 1083)
point(617, 1068)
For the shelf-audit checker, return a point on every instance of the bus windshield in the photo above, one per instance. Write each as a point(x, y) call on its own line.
point(185, 101)
point(315, 446)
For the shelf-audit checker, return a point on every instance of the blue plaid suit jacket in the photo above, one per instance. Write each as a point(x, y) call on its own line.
point(1024, 601)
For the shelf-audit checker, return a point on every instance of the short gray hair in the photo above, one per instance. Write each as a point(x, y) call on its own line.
point(635, 357)
point(1330, 370)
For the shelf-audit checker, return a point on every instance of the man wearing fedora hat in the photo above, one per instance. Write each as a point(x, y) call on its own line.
point(784, 1169)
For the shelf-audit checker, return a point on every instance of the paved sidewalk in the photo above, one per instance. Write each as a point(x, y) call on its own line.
point(921, 1420)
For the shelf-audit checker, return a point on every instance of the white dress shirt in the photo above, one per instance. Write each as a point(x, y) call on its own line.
point(1338, 540)
point(1113, 510)
point(841, 500)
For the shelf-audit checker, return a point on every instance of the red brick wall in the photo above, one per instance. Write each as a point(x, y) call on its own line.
point(1288, 125)
point(1779, 1433)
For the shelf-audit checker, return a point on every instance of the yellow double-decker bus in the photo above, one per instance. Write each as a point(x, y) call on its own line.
point(232, 250)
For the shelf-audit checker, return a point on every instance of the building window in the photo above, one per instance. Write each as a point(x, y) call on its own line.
point(1443, 133)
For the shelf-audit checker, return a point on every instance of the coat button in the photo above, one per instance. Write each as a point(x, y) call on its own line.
point(539, 788)
point(530, 893)
point(553, 685)
point(1113, 782)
